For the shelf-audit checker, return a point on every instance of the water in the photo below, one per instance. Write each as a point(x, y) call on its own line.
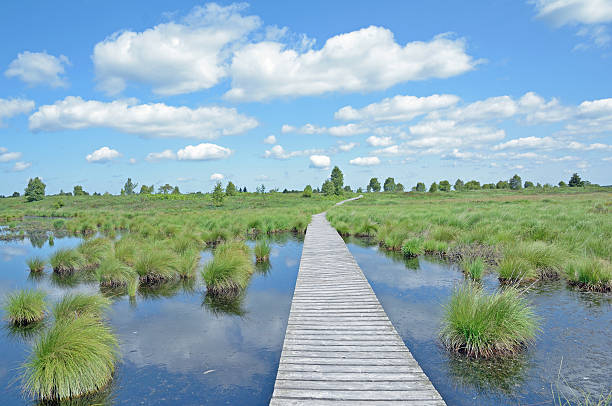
point(178, 346)
point(576, 333)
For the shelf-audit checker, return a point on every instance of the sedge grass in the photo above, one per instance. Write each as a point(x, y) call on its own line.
point(413, 247)
point(482, 325)
point(262, 251)
point(474, 268)
point(66, 261)
point(591, 274)
point(113, 273)
point(24, 307)
point(94, 251)
point(74, 358)
point(230, 269)
point(155, 264)
point(36, 264)
point(76, 305)
point(187, 262)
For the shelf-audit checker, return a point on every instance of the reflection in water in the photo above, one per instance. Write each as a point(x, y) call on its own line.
point(27, 332)
point(220, 305)
point(263, 267)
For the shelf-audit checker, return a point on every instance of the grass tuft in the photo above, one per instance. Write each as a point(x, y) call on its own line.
point(262, 251)
point(230, 269)
point(25, 306)
point(36, 264)
point(591, 274)
point(156, 264)
point(187, 263)
point(94, 251)
point(474, 268)
point(77, 305)
point(66, 261)
point(413, 247)
point(113, 273)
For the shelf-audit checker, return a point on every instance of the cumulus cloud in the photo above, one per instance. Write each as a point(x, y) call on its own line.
point(379, 141)
point(217, 176)
point(175, 57)
point(549, 143)
point(398, 108)
point(160, 156)
point(39, 68)
point(21, 166)
point(320, 161)
point(463, 155)
point(102, 155)
point(270, 139)
point(348, 146)
point(363, 60)
point(148, 120)
point(278, 152)
point(203, 152)
point(9, 156)
point(365, 161)
point(13, 107)
point(336, 131)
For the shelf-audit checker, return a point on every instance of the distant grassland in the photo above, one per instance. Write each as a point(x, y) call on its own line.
point(526, 235)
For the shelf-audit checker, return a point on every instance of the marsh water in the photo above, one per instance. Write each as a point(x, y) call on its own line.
point(179, 346)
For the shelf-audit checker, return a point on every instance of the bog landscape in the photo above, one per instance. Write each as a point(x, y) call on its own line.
point(440, 246)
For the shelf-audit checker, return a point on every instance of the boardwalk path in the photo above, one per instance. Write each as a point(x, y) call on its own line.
point(340, 346)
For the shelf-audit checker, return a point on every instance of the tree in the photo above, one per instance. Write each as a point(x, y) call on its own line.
point(359, 190)
point(528, 184)
point(458, 185)
point(165, 189)
point(147, 190)
point(78, 191)
point(176, 191)
point(389, 185)
point(575, 181)
point(230, 189)
point(307, 191)
point(445, 186)
point(399, 187)
point(348, 189)
point(129, 187)
point(562, 184)
point(16, 194)
point(218, 195)
point(515, 182)
point(433, 188)
point(502, 184)
point(337, 179)
point(472, 185)
point(488, 186)
point(420, 187)
point(374, 185)
point(328, 188)
point(35, 190)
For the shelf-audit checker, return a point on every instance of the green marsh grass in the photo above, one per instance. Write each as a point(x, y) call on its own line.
point(94, 251)
point(262, 251)
point(482, 325)
point(155, 263)
point(36, 264)
point(591, 274)
point(113, 273)
point(73, 358)
point(413, 247)
point(24, 307)
point(474, 268)
point(66, 261)
point(230, 269)
point(75, 305)
point(187, 263)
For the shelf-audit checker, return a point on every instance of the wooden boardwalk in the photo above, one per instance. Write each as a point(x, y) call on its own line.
point(340, 347)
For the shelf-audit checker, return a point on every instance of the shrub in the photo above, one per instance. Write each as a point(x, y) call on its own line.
point(262, 251)
point(36, 264)
point(482, 325)
point(230, 269)
point(76, 305)
point(25, 306)
point(591, 274)
point(66, 260)
point(413, 247)
point(74, 358)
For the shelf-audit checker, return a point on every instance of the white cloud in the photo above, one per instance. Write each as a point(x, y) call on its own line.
point(36, 68)
point(392, 150)
point(456, 154)
point(320, 161)
point(278, 152)
point(379, 141)
point(608, 158)
point(203, 152)
point(270, 139)
point(563, 12)
point(345, 130)
point(102, 155)
point(13, 107)
point(398, 108)
point(132, 161)
point(217, 176)
point(363, 60)
point(365, 161)
point(149, 120)
point(528, 142)
point(9, 156)
point(21, 166)
point(175, 57)
point(159, 156)
point(348, 146)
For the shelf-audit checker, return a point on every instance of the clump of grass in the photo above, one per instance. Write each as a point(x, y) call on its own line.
point(126, 250)
point(413, 247)
point(545, 258)
point(66, 261)
point(230, 269)
point(155, 264)
point(132, 287)
point(113, 273)
point(94, 251)
point(262, 251)
point(516, 269)
point(474, 268)
point(482, 325)
point(187, 263)
point(73, 358)
point(77, 305)
point(25, 306)
point(591, 274)
point(36, 264)
point(435, 247)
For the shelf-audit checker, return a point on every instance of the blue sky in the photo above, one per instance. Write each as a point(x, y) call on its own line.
point(190, 92)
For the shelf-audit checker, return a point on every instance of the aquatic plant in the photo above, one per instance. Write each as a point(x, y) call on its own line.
point(36, 264)
point(591, 274)
point(66, 260)
point(112, 272)
point(126, 250)
point(25, 306)
point(516, 269)
point(75, 305)
point(187, 262)
point(73, 358)
point(155, 264)
point(435, 247)
point(482, 325)
point(93, 251)
point(262, 250)
point(230, 269)
point(413, 247)
point(474, 268)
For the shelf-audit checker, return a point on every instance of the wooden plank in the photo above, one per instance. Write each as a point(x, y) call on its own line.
point(340, 347)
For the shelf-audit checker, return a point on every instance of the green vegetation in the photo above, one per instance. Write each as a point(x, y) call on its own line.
point(73, 358)
point(25, 306)
point(262, 251)
point(93, 251)
point(230, 269)
point(66, 261)
point(113, 273)
point(592, 274)
point(76, 305)
point(482, 325)
point(473, 267)
point(36, 264)
point(35, 190)
point(156, 263)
